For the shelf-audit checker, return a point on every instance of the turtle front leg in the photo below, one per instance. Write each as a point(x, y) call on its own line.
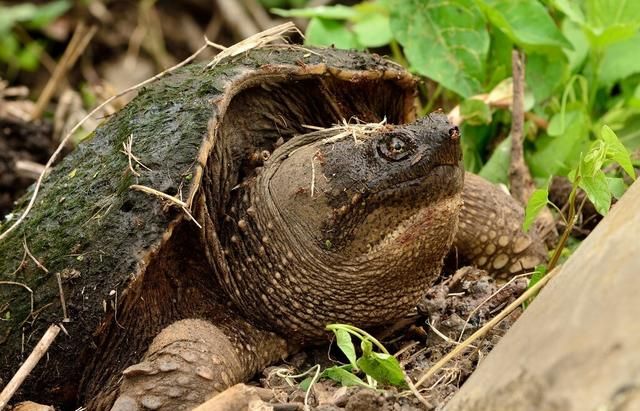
point(490, 232)
point(192, 360)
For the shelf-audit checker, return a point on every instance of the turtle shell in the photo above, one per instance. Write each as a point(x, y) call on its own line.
point(130, 262)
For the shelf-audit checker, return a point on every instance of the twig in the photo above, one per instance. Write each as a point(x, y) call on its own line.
point(65, 317)
point(165, 196)
point(66, 138)
point(35, 260)
point(29, 169)
point(78, 43)
point(519, 176)
point(505, 285)
point(26, 368)
point(127, 147)
point(487, 327)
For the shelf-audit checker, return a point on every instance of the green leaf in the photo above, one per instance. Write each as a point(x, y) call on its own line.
point(384, 368)
point(337, 12)
point(559, 151)
point(343, 340)
point(597, 191)
point(538, 200)
point(571, 9)
point(29, 56)
point(443, 40)
point(545, 73)
point(578, 41)
point(324, 32)
point(497, 167)
point(526, 22)
point(475, 112)
point(611, 21)
point(343, 376)
point(620, 60)
point(616, 151)
point(617, 187)
point(373, 30)
point(536, 276)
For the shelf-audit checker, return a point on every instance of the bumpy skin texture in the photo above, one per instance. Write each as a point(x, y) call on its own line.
point(490, 232)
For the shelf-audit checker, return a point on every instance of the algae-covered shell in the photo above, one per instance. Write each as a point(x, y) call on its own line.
point(124, 271)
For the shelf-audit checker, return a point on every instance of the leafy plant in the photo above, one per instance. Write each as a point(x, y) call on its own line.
point(15, 52)
point(590, 177)
point(379, 367)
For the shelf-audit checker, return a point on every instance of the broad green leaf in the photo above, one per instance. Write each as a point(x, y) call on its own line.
point(597, 191)
point(373, 30)
point(617, 187)
point(343, 340)
point(345, 377)
point(571, 9)
point(545, 73)
point(305, 384)
point(620, 60)
point(325, 32)
point(538, 200)
point(559, 151)
point(611, 21)
point(473, 141)
point(616, 151)
point(337, 12)
point(443, 40)
point(497, 167)
point(499, 60)
point(475, 112)
point(384, 368)
point(578, 41)
point(526, 22)
point(29, 57)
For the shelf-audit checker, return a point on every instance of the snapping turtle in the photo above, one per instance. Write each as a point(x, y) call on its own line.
point(203, 232)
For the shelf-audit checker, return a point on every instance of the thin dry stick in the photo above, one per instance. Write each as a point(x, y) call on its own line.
point(65, 317)
point(165, 196)
point(26, 368)
point(35, 260)
point(519, 176)
point(66, 138)
point(487, 327)
point(486, 300)
point(79, 41)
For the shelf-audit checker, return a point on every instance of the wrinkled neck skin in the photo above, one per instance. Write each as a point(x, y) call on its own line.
point(329, 230)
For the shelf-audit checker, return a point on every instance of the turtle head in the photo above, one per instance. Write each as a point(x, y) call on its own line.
point(357, 223)
point(362, 195)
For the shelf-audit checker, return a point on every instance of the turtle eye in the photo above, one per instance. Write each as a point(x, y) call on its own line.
point(393, 149)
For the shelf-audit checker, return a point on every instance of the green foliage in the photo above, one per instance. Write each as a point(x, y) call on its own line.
point(538, 200)
point(379, 367)
point(13, 52)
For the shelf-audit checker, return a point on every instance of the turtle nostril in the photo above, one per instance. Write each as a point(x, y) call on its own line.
point(454, 133)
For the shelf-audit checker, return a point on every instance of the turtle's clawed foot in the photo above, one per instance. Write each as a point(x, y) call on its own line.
point(192, 360)
point(187, 363)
